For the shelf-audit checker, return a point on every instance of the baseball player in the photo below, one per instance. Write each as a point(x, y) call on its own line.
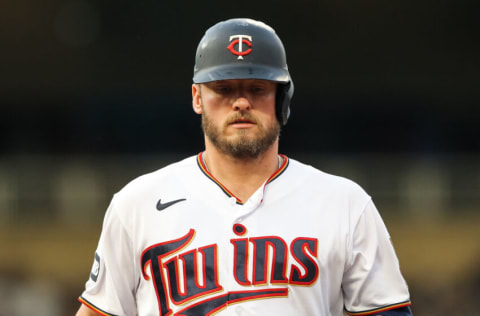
point(240, 229)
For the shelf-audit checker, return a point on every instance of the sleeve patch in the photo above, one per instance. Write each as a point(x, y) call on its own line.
point(95, 268)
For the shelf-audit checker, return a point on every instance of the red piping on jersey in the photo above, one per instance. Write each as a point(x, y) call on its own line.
point(379, 310)
point(275, 175)
point(278, 172)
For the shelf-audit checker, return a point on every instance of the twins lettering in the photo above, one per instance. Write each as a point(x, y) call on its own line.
point(181, 278)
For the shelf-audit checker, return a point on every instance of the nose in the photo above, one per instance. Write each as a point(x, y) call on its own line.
point(241, 104)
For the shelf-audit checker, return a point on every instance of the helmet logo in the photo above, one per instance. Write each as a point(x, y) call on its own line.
point(240, 40)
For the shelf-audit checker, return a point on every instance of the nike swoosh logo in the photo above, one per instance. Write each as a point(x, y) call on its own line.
point(161, 206)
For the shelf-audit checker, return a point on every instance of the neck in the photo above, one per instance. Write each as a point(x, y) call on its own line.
point(241, 176)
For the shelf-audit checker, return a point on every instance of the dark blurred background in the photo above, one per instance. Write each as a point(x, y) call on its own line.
point(95, 93)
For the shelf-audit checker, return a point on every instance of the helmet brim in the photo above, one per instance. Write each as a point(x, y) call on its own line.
point(244, 71)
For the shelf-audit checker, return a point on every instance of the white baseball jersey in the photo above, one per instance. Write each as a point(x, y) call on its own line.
point(177, 242)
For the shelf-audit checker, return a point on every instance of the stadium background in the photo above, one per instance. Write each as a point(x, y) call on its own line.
point(95, 93)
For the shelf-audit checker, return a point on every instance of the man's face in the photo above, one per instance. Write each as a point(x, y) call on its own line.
point(238, 116)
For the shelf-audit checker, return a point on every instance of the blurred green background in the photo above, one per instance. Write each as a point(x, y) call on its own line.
point(95, 93)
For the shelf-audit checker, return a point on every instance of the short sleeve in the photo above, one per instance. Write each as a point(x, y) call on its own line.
point(372, 279)
point(110, 289)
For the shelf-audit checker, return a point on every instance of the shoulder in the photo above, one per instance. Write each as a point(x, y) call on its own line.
point(170, 176)
point(328, 193)
point(299, 173)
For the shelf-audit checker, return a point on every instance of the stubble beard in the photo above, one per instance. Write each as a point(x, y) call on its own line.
point(241, 145)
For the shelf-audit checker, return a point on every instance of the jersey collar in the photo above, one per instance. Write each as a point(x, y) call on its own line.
point(274, 176)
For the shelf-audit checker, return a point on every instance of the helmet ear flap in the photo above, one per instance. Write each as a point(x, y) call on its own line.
point(282, 102)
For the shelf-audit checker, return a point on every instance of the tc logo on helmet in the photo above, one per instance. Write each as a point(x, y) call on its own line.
point(240, 40)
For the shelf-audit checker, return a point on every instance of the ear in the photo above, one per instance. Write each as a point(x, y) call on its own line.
point(196, 99)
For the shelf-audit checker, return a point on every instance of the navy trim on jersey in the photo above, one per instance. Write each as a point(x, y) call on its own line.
point(204, 169)
point(93, 307)
point(403, 311)
point(387, 310)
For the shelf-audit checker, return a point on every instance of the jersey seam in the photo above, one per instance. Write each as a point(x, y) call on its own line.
point(352, 233)
point(121, 221)
point(129, 236)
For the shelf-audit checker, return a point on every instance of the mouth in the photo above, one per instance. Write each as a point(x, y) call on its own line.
point(242, 122)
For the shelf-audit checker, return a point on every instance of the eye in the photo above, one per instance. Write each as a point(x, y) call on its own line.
point(257, 89)
point(222, 89)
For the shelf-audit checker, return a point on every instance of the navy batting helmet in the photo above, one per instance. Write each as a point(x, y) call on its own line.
point(245, 49)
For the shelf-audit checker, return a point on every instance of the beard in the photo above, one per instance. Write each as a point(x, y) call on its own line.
point(241, 145)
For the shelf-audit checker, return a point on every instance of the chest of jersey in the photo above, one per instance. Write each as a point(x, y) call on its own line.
point(205, 256)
